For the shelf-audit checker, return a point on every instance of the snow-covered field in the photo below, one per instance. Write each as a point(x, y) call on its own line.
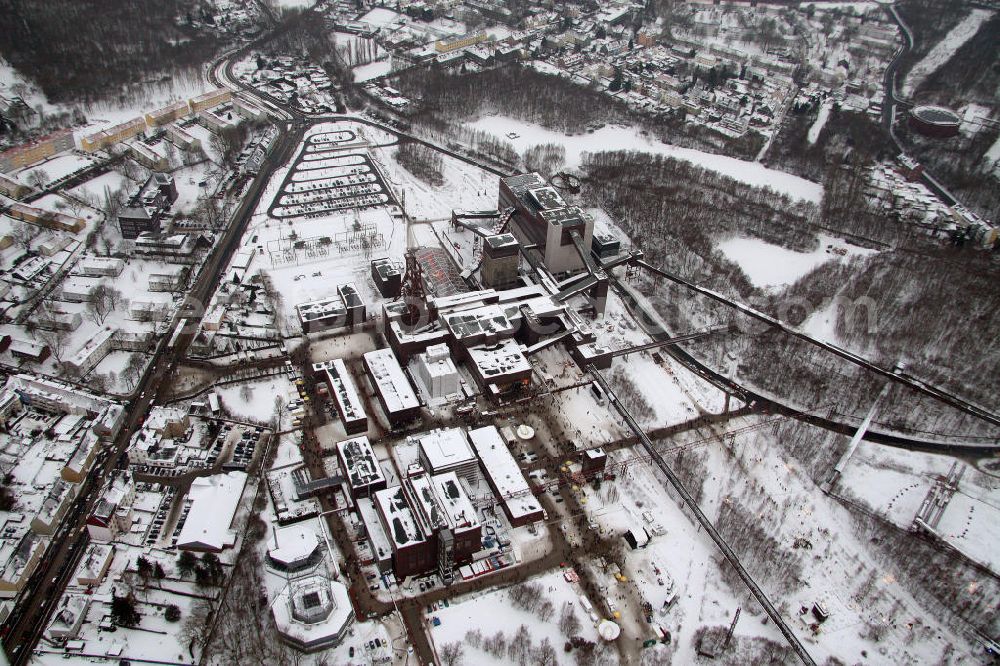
point(894, 482)
point(470, 613)
point(57, 167)
point(259, 405)
point(629, 138)
point(465, 187)
point(945, 49)
point(770, 266)
point(372, 70)
point(94, 189)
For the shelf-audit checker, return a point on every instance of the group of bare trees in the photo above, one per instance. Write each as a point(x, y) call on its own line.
point(631, 395)
point(530, 597)
point(422, 161)
point(679, 211)
point(358, 51)
point(847, 136)
point(956, 591)
point(515, 91)
point(519, 649)
point(546, 158)
point(102, 300)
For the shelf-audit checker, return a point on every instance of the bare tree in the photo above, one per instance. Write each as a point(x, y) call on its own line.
point(133, 369)
point(519, 649)
point(101, 301)
point(569, 623)
point(55, 339)
point(545, 611)
point(451, 653)
point(545, 655)
point(24, 234)
point(194, 630)
point(113, 200)
point(38, 178)
point(279, 402)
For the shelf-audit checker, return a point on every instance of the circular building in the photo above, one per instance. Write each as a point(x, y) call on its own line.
point(609, 630)
point(312, 613)
point(935, 121)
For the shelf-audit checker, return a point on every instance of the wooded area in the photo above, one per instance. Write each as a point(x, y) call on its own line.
point(525, 94)
point(680, 211)
point(89, 50)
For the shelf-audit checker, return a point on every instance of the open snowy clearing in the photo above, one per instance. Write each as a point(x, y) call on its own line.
point(465, 186)
point(526, 135)
point(468, 614)
point(380, 17)
point(894, 482)
point(770, 266)
point(259, 406)
point(372, 70)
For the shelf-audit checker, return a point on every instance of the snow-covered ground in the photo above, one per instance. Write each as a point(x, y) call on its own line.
point(822, 323)
point(465, 186)
point(683, 557)
point(894, 482)
point(821, 118)
point(945, 49)
point(372, 70)
point(259, 405)
point(771, 266)
point(56, 167)
point(992, 157)
point(812, 531)
point(857, 7)
point(526, 135)
point(470, 613)
point(94, 189)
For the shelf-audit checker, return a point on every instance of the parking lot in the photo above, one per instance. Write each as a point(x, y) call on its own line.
point(332, 172)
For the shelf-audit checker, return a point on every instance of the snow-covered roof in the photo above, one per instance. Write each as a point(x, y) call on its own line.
point(343, 388)
point(498, 360)
point(429, 511)
point(312, 610)
point(461, 513)
point(360, 462)
point(490, 319)
point(293, 543)
point(390, 380)
point(446, 449)
point(374, 529)
point(215, 500)
point(503, 471)
point(402, 526)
